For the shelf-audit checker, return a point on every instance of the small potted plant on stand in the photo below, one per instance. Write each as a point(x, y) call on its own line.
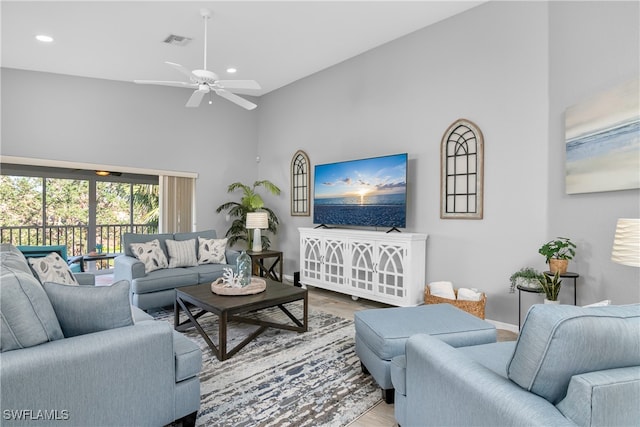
point(526, 277)
point(551, 287)
point(557, 253)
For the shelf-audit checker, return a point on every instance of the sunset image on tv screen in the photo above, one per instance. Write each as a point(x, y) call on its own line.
point(367, 192)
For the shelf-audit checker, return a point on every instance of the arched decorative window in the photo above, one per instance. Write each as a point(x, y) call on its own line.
point(462, 175)
point(300, 184)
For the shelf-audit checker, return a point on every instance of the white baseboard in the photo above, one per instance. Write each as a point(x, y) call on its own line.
point(505, 326)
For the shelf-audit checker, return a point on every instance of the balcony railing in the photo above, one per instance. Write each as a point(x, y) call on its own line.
point(74, 237)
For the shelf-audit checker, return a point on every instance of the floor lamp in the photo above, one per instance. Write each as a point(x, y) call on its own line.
point(257, 221)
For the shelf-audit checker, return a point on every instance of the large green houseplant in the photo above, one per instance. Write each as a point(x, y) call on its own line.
point(250, 201)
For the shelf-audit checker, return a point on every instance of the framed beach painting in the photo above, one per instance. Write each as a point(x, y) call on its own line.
point(602, 138)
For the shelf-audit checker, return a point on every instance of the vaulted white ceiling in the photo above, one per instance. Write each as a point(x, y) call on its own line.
point(274, 43)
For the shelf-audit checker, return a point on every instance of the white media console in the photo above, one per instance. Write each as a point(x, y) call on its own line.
point(384, 267)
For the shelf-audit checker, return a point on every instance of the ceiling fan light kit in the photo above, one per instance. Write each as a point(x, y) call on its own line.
point(205, 81)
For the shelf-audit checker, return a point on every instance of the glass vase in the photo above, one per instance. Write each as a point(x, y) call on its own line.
point(243, 267)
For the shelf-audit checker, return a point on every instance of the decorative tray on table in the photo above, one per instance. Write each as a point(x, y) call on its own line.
point(256, 286)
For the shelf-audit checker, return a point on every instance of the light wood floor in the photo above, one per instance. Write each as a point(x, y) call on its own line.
point(344, 306)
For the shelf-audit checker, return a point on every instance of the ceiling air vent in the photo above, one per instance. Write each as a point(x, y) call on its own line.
point(177, 40)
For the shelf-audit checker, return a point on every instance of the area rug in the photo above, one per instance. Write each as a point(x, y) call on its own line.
point(283, 378)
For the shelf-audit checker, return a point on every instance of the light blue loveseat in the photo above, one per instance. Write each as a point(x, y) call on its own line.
point(157, 288)
point(571, 366)
point(54, 373)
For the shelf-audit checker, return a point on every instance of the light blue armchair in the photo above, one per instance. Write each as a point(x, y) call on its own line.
point(571, 366)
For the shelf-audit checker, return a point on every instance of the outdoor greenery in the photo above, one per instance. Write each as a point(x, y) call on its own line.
point(65, 218)
point(250, 201)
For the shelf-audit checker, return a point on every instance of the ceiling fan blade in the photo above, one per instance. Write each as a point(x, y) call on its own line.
point(236, 99)
point(181, 69)
point(196, 97)
point(165, 83)
point(239, 84)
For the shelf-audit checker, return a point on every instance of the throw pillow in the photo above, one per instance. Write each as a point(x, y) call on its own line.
point(442, 290)
point(87, 309)
point(182, 253)
point(16, 261)
point(52, 268)
point(212, 251)
point(26, 315)
point(599, 303)
point(150, 254)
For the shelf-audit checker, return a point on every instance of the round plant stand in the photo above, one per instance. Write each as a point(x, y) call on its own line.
point(566, 275)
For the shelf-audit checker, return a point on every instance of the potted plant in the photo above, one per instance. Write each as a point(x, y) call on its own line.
point(557, 253)
point(525, 277)
point(250, 201)
point(551, 287)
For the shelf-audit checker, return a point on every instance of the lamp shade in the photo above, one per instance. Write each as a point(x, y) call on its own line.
point(257, 220)
point(626, 243)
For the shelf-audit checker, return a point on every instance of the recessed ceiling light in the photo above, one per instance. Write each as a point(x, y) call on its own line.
point(44, 38)
point(231, 70)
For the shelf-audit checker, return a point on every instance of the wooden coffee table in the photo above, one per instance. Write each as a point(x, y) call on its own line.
point(230, 309)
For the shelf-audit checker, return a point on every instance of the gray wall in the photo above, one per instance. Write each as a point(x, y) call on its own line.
point(489, 65)
point(510, 67)
point(593, 46)
point(53, 116)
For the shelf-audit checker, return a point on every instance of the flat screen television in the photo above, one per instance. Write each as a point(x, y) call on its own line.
point(368, 192)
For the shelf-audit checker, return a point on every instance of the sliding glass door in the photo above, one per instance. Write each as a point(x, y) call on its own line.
point(48, 206)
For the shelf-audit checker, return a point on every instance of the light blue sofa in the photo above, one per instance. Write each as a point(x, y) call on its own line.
point(157, 288)
point(55, 371)
point(571, 366)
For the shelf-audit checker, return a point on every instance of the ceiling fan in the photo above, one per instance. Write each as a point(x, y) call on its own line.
point(205, 81)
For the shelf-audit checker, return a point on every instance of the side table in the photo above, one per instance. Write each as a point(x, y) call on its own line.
point(98, 257)
point(566, 275)
point(264, 270)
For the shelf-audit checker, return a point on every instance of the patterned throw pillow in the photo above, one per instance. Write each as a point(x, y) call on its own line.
point(52, 268)
point(211, 251)
point(150, 254)
point(182, 253)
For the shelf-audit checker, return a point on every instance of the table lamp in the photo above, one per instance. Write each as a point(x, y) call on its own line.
point(626, 243)
point(257, 221)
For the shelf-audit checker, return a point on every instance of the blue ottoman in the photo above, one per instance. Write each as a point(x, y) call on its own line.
point(381, 335)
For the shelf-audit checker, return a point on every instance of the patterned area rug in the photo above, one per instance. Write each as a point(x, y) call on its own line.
point(283, 378)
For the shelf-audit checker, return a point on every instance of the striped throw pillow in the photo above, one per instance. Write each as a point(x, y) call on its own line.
point(182, 253)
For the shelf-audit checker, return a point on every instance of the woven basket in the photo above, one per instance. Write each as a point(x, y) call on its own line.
point(473, 307)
